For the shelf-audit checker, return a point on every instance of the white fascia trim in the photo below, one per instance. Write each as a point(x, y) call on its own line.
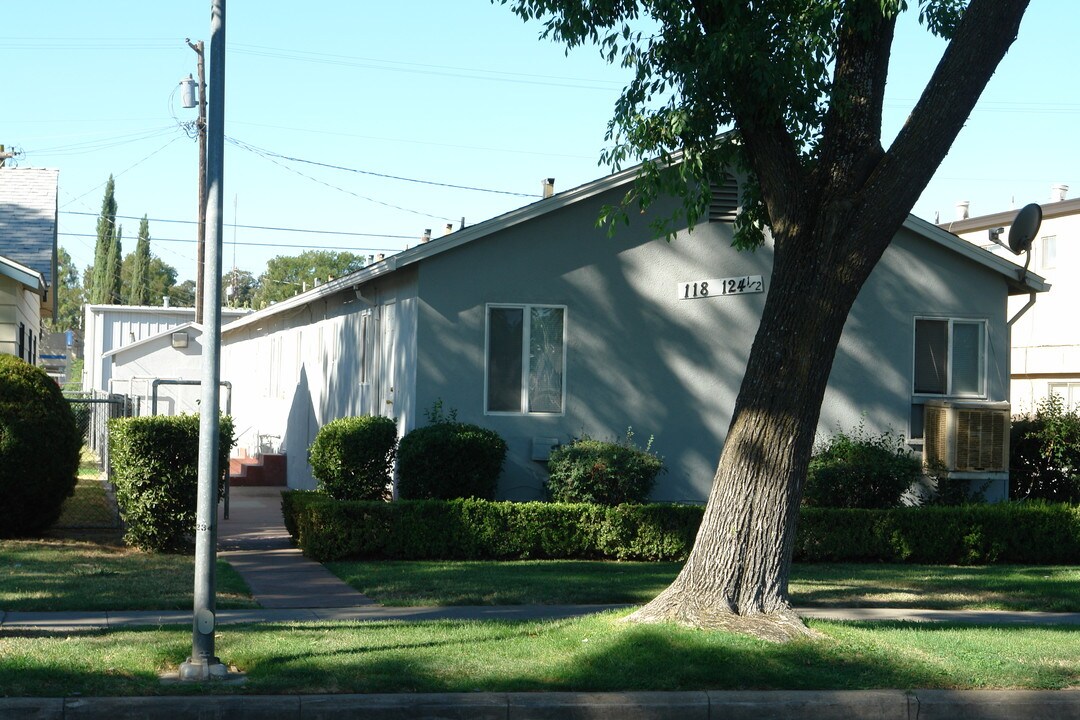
point(1022, 282)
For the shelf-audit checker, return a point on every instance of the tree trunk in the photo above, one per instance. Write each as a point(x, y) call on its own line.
point(736, 577)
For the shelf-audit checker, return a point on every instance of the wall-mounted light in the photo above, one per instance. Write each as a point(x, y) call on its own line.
point(179, 339)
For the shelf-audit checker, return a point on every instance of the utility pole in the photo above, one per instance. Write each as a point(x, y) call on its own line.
point(200, 126)
point(4, 156)
point(203, 663)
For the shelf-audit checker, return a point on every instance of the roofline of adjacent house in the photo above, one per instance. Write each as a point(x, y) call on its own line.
point(1005, 218)
point(556, 202)
point(440, 245)
point(20, 273)
point(168, 331)
point(171, 310)
point(1020, 282)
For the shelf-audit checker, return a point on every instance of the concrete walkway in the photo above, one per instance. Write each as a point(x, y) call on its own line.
point(254, 541)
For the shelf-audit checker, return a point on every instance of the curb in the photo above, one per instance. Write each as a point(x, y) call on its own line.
point(703, 705)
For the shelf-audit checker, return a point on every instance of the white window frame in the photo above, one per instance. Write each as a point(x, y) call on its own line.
point(526, 337)
point(1048, 252)
point(984, 360)
point(1067, 390)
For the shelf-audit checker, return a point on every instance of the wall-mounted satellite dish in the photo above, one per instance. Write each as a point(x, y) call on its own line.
point(1024, 228)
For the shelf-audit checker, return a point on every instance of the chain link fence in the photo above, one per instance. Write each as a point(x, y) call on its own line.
point(93, 506)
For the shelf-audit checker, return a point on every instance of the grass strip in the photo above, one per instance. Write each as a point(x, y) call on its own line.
point(1046, 588)
point(53, 575)
point(997, 587)
point(595, 653)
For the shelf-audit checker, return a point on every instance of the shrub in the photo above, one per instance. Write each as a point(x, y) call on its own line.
point(466, 529)
point(39, 449)
point(449, 460)
point(155, 463)
point(605, 473)
point(947, 490)
point(1044, 454)
point(351, 457)
point(1021, 533)
point(860, 470)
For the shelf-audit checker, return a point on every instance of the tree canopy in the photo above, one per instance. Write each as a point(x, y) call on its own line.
point(286, 276)
point(800, 85)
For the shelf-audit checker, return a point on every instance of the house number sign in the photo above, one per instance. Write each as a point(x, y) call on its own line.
point(718, 287)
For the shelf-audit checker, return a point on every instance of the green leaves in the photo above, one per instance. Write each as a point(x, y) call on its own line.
point(351, 457)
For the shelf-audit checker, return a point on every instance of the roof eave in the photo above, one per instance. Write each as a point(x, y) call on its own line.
point(1019, 280)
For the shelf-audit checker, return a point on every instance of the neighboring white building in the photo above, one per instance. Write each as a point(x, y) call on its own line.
point(121, 344)
point(1046, 337)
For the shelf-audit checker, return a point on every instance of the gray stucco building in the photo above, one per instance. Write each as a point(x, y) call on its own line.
point(538, 325)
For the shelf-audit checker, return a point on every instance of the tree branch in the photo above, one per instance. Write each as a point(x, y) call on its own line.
point(851, 134)
point(982, 38)
point(757, 108)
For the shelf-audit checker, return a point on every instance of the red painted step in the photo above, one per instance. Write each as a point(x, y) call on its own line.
point(266, 471)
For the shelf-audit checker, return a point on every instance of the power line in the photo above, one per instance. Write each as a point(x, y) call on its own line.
point(270, 153)
point(335, 187)
point(253, 227)
point(259, 244)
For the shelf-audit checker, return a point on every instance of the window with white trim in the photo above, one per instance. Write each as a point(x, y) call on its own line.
point(525, 361)
point(950, 357)
point(1069, 393)
point(1048, 252)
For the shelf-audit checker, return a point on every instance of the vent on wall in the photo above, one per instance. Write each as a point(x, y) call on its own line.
point(966, 437)
point(724, 201)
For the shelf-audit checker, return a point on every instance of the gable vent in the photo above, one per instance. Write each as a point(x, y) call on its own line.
point(724, 203)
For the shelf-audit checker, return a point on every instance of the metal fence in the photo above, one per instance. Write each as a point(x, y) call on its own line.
point(93, 410)
point(93, 505)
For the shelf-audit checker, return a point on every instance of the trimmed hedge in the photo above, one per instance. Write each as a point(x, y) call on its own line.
point(1023, 533)
point(448, 460)
point(479, 530)
point(352, 457)
point(155, 462)
point(39, 449)
point(461, 529)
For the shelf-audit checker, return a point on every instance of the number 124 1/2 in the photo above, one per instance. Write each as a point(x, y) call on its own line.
point(718, 287)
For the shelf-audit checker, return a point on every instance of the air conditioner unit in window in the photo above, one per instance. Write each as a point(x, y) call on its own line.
point(969, 441)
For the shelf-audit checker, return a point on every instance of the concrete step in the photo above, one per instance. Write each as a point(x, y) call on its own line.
point(266, 471)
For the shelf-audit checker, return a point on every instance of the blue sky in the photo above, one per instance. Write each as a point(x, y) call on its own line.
point(455, 93)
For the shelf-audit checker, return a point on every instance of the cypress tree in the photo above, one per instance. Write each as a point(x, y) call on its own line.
point(111, 276)
point(106, 232)
point(138, 290)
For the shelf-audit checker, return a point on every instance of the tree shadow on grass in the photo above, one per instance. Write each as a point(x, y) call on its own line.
point(595, 654)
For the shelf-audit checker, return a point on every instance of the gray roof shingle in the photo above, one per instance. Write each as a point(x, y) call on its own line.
point(28, 217)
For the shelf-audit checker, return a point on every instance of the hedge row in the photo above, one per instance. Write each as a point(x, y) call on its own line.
point(479, 529)
point(476, 529)
point(1026, 533)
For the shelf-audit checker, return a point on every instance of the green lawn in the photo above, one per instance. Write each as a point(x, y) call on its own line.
point(586, 654)
point(72, 575)
point(1048, 588)
point(44, 575)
